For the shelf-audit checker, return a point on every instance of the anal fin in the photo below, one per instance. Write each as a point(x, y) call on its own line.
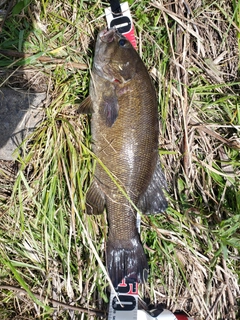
point(95, 199)
point(153, 200)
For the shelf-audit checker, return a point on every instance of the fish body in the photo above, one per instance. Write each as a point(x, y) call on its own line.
point(125, 133)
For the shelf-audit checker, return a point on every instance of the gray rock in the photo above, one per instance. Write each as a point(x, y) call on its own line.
point(19, 115)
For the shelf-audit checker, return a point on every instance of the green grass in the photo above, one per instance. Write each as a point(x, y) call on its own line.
point(46, 239)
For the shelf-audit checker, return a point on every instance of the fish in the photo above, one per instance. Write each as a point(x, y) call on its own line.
point(125, 132)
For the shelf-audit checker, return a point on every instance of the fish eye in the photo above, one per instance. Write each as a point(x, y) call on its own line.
point(122, 42)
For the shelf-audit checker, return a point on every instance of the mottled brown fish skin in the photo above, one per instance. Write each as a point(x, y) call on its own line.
point(125, 133)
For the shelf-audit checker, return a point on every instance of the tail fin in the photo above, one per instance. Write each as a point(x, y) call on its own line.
point(126, 258)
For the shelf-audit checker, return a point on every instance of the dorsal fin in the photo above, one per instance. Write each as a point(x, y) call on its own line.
point(86, 106)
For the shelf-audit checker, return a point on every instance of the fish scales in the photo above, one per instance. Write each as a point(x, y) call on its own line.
point(125, 133)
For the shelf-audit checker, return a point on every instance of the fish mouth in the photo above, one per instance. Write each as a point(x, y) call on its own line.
point(104, 63)
point(107, 35)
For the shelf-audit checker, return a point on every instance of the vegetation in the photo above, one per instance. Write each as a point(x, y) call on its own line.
point(50, 250)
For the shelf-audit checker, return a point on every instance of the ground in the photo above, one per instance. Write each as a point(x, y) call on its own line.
point(48, 268)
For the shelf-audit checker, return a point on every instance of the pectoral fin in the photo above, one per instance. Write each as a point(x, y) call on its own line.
point(153, 200)
point(86, 106)
point(95, 199)
point(109, 109)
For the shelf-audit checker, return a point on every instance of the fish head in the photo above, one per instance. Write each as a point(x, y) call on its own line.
point(115, 58)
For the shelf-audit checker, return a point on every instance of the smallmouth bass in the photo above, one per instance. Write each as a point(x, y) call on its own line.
point(125, 131)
